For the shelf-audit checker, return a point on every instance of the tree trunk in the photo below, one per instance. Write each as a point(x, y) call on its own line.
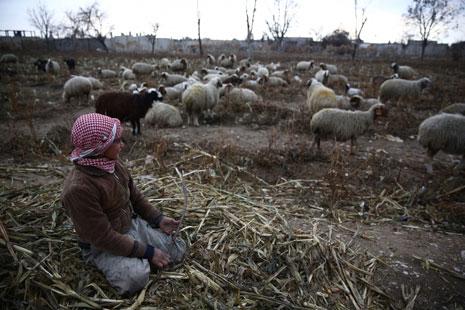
point(423, 48)
point(153, 45)
point(354, 51)
point(200, 40)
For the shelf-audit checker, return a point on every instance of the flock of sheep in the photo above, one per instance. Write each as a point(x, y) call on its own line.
point(338, 110)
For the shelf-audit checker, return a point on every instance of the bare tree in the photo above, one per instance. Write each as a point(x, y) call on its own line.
point(432, 17)
point(281, 20)
point(198, 28)
point(153, 36)
point(41, 18)
point(250, 22)
point(88, 22)
point(358, 30)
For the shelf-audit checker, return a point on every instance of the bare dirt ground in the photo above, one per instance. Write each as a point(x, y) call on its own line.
point(415, 229)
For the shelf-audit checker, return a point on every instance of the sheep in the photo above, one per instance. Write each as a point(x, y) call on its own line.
point(142, 68)
point(52, 67)
point(8, 58)
point(77, 86)
point(179, 65)
point(263, 71)
point(164, 63)
point(200, 97)
point(210, 61)
point(173, 93)
point(240, 95)
point(250, 84)
point(331, 68)
point(163, 115)
point(377, 80)
point(172, 79)
point(284, 74)
point(341, 125)
point(127, 107)
point(273, 81)
point(231, 79)
point(304, 65)
point(404, 72)
point(40, 64)
point(400, 88)
point(70, 63)
point(246, 62)
point(96, 84)
point(322, 76)
point(227, 62)
point(127, 73)
point(352, 91)
point(337, 82)
point(348, 103)
point(106, 73)
point(319, 96)
point(455, 108)
point(443, 132)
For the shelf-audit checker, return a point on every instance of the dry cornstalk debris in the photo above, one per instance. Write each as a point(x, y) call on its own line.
point(244, 253)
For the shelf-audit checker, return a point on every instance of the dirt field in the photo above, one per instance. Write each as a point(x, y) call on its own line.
point(379, 201)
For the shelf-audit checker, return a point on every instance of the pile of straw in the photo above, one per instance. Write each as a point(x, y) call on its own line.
point(243, 250)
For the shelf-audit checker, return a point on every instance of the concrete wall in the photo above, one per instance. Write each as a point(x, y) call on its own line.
point(141, 44)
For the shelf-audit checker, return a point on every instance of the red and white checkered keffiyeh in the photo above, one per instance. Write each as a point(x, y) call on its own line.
point(92, 135)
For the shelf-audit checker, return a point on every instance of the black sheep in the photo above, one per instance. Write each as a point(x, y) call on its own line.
point(71, 63)
point(40, 64)
point(126, 106)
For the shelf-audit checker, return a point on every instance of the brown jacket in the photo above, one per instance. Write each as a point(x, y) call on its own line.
point(101, 205)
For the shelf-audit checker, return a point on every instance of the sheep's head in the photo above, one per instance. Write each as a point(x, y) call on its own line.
point(154, 95)
point(164, 75)
point(162, 90)
point(310, 82)
point(395, 66)
point(323, 66)
point(425, 82)
point(379, 110)
point(356, 101)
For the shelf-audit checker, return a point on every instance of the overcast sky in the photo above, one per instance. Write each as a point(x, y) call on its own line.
point(225, 19)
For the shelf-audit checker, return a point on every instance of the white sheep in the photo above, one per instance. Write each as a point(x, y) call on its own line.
point(304, 65)
point(199, 97)
point(227, 62)
point(341, 125)
point(179, 65)
point(455, 108)
point(322, 76)
point(263, 71)
point(142, 68)
point(284, 74)
point(352, 91)
point(106, 73)
point(337, 82)
point(404, 72)
point(443, 132)
point(172, 79)
point(210, 61)
point(163, 115)
point(77, 86)
point(164, 63)
point(8, 58)
point(96, 84)
point(400, 88)
point(348, 103)
point(319, 96)
point(239, 95)
point(52, 67)
point(331, 68)
point(127, 73)
point(273, 81)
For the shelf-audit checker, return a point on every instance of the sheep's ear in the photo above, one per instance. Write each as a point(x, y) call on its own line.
point(355, 101)
point(309, 82)
point(162, 90)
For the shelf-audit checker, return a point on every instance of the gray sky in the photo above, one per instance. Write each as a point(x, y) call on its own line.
point(225, 19)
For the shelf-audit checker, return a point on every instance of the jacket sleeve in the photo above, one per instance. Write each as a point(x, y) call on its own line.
point(92, 225)
point(142, 206)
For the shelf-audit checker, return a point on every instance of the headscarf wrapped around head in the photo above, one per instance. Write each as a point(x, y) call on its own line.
point(92, 134)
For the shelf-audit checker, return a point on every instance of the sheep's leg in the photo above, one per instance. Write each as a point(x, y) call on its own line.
point(352, 144)
point(138, 126)
point(195, 120)
point(133, 124)
point(316, 140)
